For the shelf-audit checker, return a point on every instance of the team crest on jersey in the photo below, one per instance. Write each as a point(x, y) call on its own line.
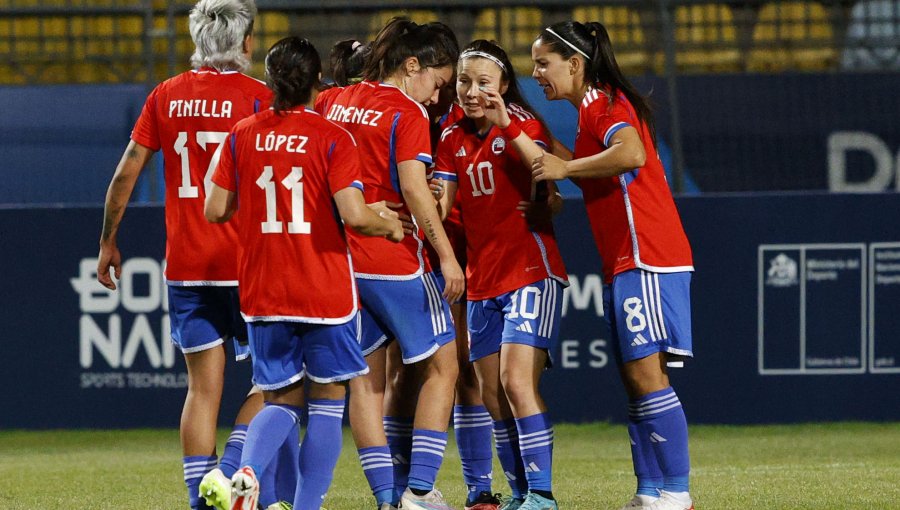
point(498, 145)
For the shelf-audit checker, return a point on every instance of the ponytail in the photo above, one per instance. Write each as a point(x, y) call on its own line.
point(433, 44)
point(292, 71)
point(347, 60)
point(600, 67)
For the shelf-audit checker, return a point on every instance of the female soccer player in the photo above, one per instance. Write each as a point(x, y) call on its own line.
point(287, 168)
point(515, 273)
point(647, 260)
point(408, 66)
point(346, 61)
point(188, 118)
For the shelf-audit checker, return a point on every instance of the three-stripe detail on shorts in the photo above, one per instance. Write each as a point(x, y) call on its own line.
point(656, 323)
point(435, 304)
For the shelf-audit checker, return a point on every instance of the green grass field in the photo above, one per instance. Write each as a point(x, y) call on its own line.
point(831, 466)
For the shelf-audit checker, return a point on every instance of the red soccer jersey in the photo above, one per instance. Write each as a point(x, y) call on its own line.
point(325, 99)
point(453, 226)
point(504, 254)
point(632, 215)
point(389, 127)
point(188, 117)
point(294, 263)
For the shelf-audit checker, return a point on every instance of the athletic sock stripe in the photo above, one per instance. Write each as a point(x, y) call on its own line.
point(238, 435)
point(523, 448)
point(662, 399)
point(657, 411)
point(417, 440)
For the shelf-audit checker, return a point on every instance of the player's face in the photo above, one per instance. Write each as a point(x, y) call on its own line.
point(476, 74)
point(425, 85)
point(551, 71)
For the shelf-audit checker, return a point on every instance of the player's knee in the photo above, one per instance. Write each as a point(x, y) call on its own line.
point(518, 386)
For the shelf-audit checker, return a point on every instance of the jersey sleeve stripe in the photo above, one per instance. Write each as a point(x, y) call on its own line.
point(541, 144)
point(424, 158)
point(613, 130)
point(358, 185)
point(447, 176)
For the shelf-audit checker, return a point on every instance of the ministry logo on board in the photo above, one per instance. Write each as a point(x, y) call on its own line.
point(782, 271)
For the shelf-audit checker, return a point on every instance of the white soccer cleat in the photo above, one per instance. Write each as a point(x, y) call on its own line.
point(215, 488)
point(673, 501)
point(434, 500)
point(244, 489)
point(639, 502)
point(387, 506)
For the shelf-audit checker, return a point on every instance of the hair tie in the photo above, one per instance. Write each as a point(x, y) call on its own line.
point(356, 44)
point(475, 53)
point(585, 55)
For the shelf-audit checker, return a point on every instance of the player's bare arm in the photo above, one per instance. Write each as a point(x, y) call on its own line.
point(419, 199)
point(365, 219)
point(220, 204)
point(625, 153)
point(119, 192)
point(447, 198)
point(393, 210)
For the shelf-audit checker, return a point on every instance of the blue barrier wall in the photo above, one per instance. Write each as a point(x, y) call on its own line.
point(794, 306)
point(837, 132)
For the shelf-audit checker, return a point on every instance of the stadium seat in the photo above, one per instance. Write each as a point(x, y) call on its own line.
point(270, 27)
point(625, 32)
point(792, 35)
point(706, 38)
point(872, 36)
point(514, 28)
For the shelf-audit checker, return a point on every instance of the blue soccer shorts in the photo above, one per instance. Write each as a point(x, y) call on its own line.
point(530, 315)
point(412, 311)
point(649, 313)
point(205, 317)
point(285, 352)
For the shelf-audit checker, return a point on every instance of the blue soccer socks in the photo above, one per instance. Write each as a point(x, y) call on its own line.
point(646, 469)
point(268, 430)
point(379, 470)
point(425, 460)
point(399, 437)
point(536, 445)
point(231, 457)
point(506, 438)
point(661, 425)
point(472, 426)
point(195, 467)
point(319, 452)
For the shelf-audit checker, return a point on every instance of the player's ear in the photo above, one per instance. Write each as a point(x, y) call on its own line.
point(411, 66)
point(248, 44)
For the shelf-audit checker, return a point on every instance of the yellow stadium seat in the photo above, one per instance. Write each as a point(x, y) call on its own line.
point(514, 28)
point(792, 35)
point(380, 19)
point(706, 38)
point(625, 33)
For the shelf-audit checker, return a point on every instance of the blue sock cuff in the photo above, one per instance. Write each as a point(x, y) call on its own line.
point(535, 422)
point(501, 425)
point(293, 410)
point(239, 428)
point(677, 484)
point(434, 434)
point(653, 404)
point(469, 409)
point(325, 408)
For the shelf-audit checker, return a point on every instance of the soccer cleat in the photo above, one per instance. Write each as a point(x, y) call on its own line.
point(537, 502)
point(244, 489)
point(387, 506)
point(667, 501)
point(484, 501)
point(281, 505)
point(434, 500)
point(639, 502)
point(215, 489)
point(510, 503)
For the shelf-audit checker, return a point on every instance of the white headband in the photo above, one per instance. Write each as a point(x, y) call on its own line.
point(473, 53)
point(570, 45)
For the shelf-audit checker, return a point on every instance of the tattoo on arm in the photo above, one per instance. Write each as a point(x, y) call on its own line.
point(109, 223)
point(430, 232)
